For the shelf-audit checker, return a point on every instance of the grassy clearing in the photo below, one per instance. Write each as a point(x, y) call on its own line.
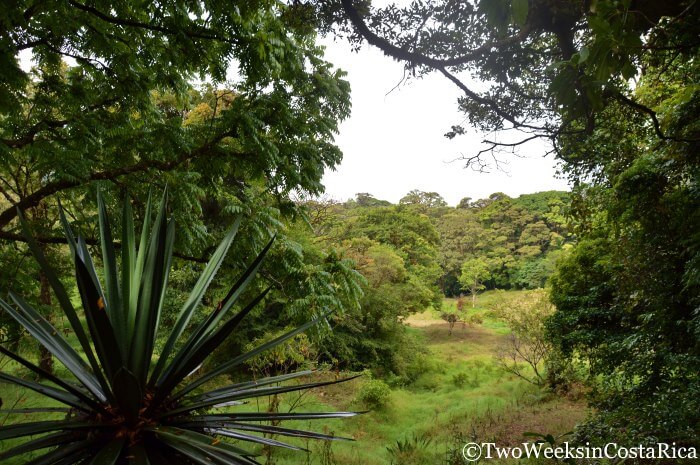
point(463, 397)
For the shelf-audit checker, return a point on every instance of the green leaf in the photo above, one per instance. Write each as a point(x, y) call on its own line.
point(284, 431)
point(520, 9)
point(40, 427)
point(153, 283)
point(191, 358)
point(50, 377)
point(73, 453)
point(216, 418)
point(227, 366)
point(195, 298)
point(128, 270)
point(583, 54)
point(109, 453)
point(109, 258)
point(251, 393)
point(57, 394)
point(61, 294)
point(247, 384)
point(62, 438)
point(225, 305)
point(137, 273)
point(208, 324)
point(194, 438)
point(50, 338)
point(255, 439)
point(98, 322)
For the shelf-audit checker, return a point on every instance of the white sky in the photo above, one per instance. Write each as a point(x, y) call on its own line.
point(394, 142)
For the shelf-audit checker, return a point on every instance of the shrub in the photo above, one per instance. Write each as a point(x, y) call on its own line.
point(460, 379)
point(411, 450)
point(527, 347)
point(374, 394)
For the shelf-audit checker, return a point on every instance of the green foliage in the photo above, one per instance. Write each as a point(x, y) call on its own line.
point(474, 272)
point(526, 349)
point(110, 103)
point(374, 394)
point(372, 335)
point(297, 352)
point(627, 296)
point(412, 450)
point(519, 238)
point(460, 379)
point(128, 404)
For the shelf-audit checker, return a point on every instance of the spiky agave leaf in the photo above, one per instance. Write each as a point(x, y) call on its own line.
point(119, 408)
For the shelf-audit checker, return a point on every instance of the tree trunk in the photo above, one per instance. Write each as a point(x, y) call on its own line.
point(45, 359)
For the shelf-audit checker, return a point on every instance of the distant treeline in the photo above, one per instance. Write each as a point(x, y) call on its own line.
point(518, 240)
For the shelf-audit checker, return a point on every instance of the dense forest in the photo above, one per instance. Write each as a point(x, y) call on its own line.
point(176, 289)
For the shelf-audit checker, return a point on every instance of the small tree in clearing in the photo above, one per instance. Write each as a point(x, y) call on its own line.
point(527, 345)
point(451, 318)
point(474, 272)
point(452, 315)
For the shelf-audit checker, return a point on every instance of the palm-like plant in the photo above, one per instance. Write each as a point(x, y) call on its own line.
point(123, 408)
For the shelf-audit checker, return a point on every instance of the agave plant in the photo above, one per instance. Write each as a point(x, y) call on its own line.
point(128, 405)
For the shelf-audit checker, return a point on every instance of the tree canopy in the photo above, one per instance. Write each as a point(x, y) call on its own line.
point(110, 97)
point(545, 69)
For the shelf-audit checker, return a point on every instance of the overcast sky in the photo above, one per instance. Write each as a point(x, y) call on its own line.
point(394, 141)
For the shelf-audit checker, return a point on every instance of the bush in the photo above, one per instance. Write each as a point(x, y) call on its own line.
point(428, 382)
point(374, 394)
point(475, 319)
point(460, 379)
point(526, 349)
point(413, 450)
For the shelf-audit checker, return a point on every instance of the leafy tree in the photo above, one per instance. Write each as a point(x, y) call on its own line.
point(527, 347)
point(465, 202)
point(474, 272)
point(551, 67)
point(516, 235)
point(412, 235)
point(461, 235)
point(110, 103)
point(627, 296)
point(423, 200)
point(373, 335)
point(364, 199)
point(122, 405)
point(126, 110)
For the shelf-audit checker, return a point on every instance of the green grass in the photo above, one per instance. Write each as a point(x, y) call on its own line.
point(484, 403)
point(464, 396)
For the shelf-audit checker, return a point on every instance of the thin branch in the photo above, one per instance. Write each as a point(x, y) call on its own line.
point(13, 237)
point(417, 58)
point(652, 114)
point(486, 102)
point(28, 138)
